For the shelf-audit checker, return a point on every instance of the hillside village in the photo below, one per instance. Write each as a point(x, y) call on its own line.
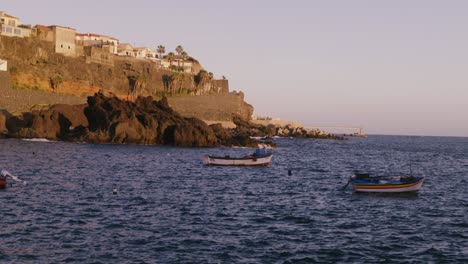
point(57, 65)
point(96, 48)
point(45, 65)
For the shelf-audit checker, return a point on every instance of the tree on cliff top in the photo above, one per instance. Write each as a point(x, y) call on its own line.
point(170, 57)
point(161, 50)
point(183, 57)
point(179, 49)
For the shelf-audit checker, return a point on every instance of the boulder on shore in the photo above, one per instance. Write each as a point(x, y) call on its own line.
point(255, 130)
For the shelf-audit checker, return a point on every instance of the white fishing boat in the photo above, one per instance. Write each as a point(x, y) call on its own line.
point(398, 184)
point(259, 158)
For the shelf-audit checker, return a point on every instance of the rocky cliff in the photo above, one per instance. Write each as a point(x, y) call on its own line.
point(33, 66)
point(112, 120)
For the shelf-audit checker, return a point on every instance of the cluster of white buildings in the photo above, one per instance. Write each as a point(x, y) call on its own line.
point(71, 43)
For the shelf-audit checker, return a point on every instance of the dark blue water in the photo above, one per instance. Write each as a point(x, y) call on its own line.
point(171, 209)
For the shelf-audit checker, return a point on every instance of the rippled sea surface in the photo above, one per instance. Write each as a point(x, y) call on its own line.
point(172, 209)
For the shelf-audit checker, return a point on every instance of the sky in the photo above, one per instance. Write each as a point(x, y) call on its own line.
point(393, 67)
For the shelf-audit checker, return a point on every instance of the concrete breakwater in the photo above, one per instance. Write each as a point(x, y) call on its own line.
point(17, 101)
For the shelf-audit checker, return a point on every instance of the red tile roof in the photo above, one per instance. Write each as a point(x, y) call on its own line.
point(93, 35)
point(43, 28)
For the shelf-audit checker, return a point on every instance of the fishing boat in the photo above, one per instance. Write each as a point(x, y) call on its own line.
point(259, 158)
point(3, 182)
point(4, 175)
point(364, 182)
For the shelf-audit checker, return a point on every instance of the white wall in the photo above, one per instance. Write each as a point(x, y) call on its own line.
point(3, 65)
point(65, 41)
point(15, 31)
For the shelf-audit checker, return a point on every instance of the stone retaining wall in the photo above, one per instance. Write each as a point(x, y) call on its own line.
point(17, 100)
point(216, 107)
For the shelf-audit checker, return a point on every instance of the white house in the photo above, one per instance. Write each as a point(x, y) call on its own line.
point(62, 37)
point(90, 39)
point(12, 27)
point(152, 54)
point(125, 49)
point(186, 65)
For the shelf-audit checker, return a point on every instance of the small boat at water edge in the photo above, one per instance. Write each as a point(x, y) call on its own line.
point(3, 178)
point(260, 158)
point(363, 182)
point(3, 182)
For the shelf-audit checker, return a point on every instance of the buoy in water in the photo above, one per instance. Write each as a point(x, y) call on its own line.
point(289, 172)
point(114, 191)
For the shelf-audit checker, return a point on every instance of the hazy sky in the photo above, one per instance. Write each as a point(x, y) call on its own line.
point(393, 67)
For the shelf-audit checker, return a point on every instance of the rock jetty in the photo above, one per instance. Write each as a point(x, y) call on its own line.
point(255, 130)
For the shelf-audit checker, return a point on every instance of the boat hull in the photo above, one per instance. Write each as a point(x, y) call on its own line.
point(246, 161)
point(389, 187)
point(3, 183)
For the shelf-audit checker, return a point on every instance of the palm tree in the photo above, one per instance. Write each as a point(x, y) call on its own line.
point(137, 82)
point(176, 82)
point(202, 81)
point(184, 57)
point(170, 57)
point(179, 51)
point(161, 50)
point(201, 77)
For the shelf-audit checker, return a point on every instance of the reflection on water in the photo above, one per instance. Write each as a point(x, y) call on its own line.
point(172, 209)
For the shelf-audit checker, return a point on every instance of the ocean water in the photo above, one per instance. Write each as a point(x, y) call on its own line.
point(169, 208)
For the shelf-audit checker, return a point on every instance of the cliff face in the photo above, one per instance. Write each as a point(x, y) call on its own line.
point(35, 68)
point(34, 65)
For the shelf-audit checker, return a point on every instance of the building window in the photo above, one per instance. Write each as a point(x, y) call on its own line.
point(8, 30)
point(61, 46)
point(3, 20)
point(17, 31)
point(11, 23)
point(68, 47)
